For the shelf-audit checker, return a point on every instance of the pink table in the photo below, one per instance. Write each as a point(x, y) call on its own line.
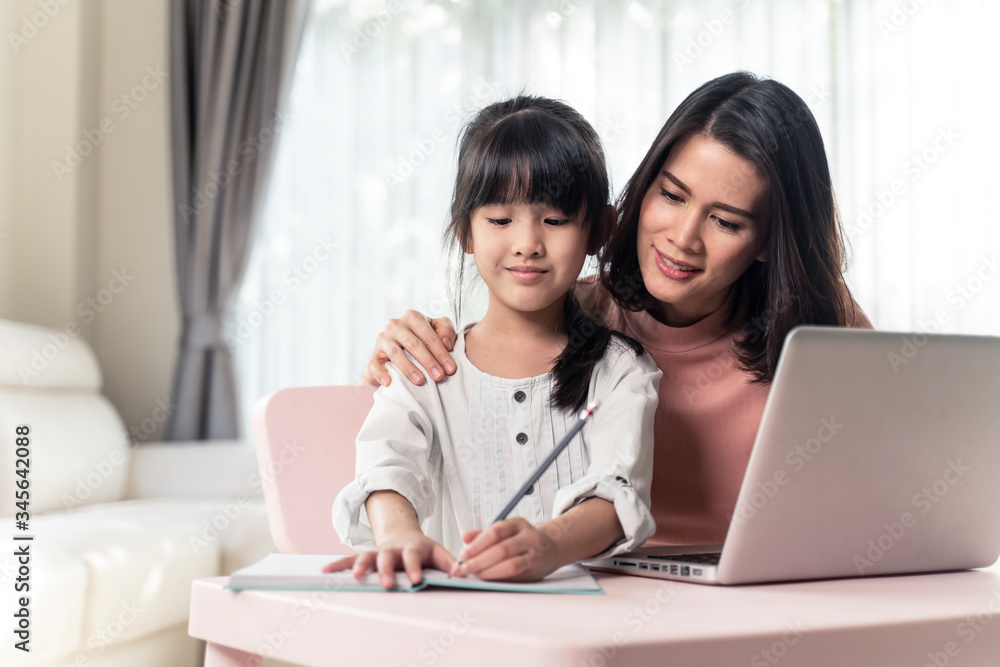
point(936, 620)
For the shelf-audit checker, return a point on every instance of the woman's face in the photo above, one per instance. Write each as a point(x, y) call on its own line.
point(703, 222)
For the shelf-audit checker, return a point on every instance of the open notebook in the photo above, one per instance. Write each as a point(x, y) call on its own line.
point(303, 572)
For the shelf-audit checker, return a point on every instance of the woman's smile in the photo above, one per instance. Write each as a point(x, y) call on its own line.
point(704, 220)
point(673, 268)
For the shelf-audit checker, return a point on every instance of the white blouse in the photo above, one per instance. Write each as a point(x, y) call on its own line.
point(459, 448)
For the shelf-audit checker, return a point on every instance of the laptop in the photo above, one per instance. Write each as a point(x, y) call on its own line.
point(878, 453)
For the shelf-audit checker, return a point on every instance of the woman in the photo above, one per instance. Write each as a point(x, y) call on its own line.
point(727, 238)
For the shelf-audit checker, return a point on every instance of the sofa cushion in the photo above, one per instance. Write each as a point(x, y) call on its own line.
point(236, 528)
point(57, 600)
point(140, 565)
point(40, 358)
point(106, 576)
point(79, 451)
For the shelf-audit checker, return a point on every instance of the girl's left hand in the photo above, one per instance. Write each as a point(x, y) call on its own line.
point(511, 550)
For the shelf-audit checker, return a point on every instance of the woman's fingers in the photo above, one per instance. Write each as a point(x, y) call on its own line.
point(388, 347)
point(446, 332)
point(374, 373)
point(422, 338)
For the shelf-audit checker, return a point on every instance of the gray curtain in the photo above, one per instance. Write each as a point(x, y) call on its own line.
point(231, 66)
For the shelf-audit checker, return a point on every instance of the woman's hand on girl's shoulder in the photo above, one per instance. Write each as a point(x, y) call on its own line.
point(509, 550)
point(410, 551)
point(428, 340)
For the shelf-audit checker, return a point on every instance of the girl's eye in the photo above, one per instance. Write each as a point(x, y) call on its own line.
point(725, 224)
point(669, 196)
point(498, 221)
point(555, 222)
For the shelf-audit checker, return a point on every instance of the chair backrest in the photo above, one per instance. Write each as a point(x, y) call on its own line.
point(305, 447)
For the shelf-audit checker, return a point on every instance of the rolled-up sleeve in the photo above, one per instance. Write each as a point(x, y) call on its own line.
point(620, 440)
point(393, 453)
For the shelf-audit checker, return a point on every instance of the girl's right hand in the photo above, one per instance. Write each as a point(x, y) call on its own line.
point(409, 551)
point(428, 340)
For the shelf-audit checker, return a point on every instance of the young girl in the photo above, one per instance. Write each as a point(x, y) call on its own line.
point(437, 462)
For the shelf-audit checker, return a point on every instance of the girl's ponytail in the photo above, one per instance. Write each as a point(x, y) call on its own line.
point(588, 340)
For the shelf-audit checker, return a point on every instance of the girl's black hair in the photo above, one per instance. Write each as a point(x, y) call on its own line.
point(536, 150)
point(767, 124)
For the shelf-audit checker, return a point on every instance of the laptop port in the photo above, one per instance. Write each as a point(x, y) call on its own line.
point(643, 566)
point(673, 569)
point(654, 568)
point(626, 563)
point(685, 571)
point(696, 572)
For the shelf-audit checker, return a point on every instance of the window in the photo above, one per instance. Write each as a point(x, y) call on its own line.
point(902, 92)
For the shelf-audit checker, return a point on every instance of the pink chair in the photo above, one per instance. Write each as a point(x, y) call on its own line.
point(305, 448)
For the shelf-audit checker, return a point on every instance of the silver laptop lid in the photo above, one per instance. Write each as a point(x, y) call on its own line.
point(878, 453)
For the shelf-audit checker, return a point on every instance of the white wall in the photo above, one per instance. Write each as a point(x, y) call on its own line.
point(69, 232)
point(137, 337)
point(45, 216)
point(8, 107)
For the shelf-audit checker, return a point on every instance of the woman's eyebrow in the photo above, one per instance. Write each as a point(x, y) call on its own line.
point(724, 207)
point(676, 181)
point(733, 209)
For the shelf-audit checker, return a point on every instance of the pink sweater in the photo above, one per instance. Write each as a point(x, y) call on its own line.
point(705, 423)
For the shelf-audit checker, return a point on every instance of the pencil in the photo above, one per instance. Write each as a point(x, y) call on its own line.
point(539, 471)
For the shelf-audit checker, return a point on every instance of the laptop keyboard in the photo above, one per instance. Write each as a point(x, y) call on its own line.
point(704, 559)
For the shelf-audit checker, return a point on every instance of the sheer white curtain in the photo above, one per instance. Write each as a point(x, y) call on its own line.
point(902, 90)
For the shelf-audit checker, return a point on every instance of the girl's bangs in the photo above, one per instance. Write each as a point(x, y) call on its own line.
point(523, 163)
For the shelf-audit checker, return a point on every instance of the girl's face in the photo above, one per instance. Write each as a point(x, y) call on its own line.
point(529, 255)
point(703, 222)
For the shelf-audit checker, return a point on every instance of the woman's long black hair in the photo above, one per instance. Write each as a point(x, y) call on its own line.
point(536, 150)
point(767, 124)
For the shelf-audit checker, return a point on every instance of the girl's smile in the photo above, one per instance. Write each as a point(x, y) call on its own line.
point(529, 256)
point(527, 274)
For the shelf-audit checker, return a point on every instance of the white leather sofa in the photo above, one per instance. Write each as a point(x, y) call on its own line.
point(119, 530)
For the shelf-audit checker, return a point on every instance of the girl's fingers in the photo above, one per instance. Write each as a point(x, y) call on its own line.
point(340, 564)
point(386, 563)
point(469, 535)
point(498, 532)
point(441, 559)
point(509, 569)
point(505, 550)
point(364, 563)
point(412, 565)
